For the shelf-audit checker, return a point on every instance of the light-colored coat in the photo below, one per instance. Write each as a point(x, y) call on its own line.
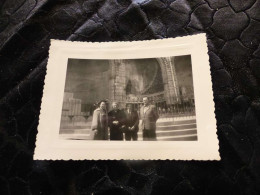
point(148, 119)
point(99, 125)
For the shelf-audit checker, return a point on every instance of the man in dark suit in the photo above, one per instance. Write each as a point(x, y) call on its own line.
point(116, 122)
point(131, 123)
point(148, 118)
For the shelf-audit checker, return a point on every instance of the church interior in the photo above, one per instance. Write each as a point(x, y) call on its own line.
point(167, 82)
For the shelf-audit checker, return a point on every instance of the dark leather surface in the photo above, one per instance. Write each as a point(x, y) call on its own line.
point(232, 27)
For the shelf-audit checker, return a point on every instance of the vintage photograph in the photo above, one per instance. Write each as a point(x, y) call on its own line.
point(139, 100)
point(129, 100)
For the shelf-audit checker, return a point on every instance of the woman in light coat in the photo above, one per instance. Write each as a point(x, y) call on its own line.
point(100, 122)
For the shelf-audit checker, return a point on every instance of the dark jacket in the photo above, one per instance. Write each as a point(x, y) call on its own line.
point(131, 120)
point(116, 132)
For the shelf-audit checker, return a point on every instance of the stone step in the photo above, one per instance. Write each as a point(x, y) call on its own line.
point(179, 118)
point(158, 132)
point(190, 137)
point(165, 123)
point(74, 131)
point(176, 127)
point(165, 129)
point(159, 123)
point(172, 133)
point(76, 127)
point(182, 138)
point(76, 136)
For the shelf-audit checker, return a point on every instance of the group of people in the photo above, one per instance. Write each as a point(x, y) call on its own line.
point(124, 123)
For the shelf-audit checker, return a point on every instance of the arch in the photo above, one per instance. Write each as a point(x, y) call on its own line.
point(169, 79)
point(117, 83)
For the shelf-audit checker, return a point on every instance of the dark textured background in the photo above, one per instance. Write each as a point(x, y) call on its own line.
point(232, 27)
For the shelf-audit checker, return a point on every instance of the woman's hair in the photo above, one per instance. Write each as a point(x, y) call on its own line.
point(99, 103)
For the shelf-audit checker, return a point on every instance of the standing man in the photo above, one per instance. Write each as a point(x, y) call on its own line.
point(148, 118)
point(131, 123)
point(115, 122)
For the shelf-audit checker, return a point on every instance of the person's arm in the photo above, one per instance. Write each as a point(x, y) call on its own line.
point(156, 115)
point(141, 122)
point(122, 118)
point(94, 121)
point(140, 115)
point(136, 119)
point(109, 119)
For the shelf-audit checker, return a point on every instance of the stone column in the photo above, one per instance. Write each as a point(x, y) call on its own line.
point(117, 82)
point(112, 80)
point(165, 79)
point(174, 78)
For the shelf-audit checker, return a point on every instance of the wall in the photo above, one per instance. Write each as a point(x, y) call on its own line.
point(88, 79)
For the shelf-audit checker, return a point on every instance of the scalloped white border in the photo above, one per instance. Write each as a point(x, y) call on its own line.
point(50, 147)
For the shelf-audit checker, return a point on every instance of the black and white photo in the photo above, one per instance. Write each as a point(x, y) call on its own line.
point(103, 97)
point(139, 100)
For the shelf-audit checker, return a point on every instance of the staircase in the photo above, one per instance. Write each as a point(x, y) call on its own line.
point(171, 129)
point(175, 130)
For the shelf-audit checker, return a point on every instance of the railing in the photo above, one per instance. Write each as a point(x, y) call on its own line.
point(186, 109)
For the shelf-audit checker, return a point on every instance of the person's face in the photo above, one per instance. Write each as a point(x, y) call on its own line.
point(103, 105)
point(115, 106)
point(145, 101)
